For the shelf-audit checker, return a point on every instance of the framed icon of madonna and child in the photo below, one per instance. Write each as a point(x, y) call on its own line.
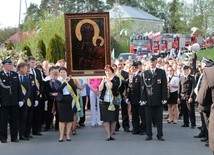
point(87, 43)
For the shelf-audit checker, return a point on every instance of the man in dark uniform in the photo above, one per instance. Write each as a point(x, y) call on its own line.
point(154, 96)
point(134, 96)
point(186, 97)
point(24, 102)
point(34, 103)
point(37, 110)
point(123, 75)
point(9, 99)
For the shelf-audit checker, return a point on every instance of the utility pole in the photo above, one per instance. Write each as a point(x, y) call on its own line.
point(20, 7)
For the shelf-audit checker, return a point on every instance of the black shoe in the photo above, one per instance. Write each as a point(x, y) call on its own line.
point(185, 125)
point(169, 122)
point(193, 126)
point(126, 130)
point(199, 136)
point(3, 141)
point(15, 140)
point(37, 134)
point(23, 138)
point(135, 132)
point(204, 140)
point(207, 144)
point(30, 136)
point(68, 139)
point(199, 127)
point(160, 138)
point(112, 138)
point(148, 138)
point(60, 140)
point(108, 139)
point(45, 130)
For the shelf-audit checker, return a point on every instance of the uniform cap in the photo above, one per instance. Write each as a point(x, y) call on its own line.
point(153, 59)
point(135, 64)
point(7, 61)
point(207, 61)
point(185, 67)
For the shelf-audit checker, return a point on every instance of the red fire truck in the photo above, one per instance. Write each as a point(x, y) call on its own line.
point(139, 44)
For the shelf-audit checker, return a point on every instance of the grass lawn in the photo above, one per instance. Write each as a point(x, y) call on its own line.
point(206, 53)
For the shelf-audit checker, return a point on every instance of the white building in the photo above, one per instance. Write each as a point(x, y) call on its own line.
point(141, 20)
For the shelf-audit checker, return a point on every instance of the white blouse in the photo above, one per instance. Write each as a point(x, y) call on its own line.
point(174, 81)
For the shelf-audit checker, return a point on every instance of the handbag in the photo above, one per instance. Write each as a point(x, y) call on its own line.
point(117, 99)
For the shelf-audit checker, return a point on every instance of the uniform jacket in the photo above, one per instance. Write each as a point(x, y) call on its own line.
point(26, 84)
point(155, 87)
point(186, 87)
point(124, 83)
point(134, 93)
point(9, 97)
point(34, 89)
point(49, 89)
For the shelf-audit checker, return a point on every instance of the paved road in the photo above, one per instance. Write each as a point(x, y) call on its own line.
point(91, 141)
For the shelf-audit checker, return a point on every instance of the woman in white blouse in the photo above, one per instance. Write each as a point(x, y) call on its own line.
point(173, 85)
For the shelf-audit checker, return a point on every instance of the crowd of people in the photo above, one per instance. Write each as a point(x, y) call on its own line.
point(33, 95)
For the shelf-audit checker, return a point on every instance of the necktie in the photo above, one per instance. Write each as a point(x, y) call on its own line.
point(53, 85)
point(153, 71)
point(21, 78)
point(8, 74)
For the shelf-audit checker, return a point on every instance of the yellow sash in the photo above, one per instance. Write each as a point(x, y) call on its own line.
point(120, 76)
point(24, 91)
point(75, 101)
point(111, 106)
point(37, 83)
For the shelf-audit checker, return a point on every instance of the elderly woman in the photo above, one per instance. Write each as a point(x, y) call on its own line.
point(109, 89)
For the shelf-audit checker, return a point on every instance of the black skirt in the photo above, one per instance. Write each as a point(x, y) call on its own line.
point(173, 97)
point(65, 109)
point(105, 114)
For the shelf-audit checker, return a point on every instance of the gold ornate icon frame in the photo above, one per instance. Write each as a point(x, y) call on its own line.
point(87, 44)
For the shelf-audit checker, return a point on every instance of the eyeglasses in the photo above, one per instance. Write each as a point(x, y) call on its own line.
point(170, 70)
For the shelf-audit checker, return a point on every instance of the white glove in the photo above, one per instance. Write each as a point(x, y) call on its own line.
point(36, 103)
point(142, 103)
point(164, 101)
point(46, 105)
point(21, 103)
point(127, 101)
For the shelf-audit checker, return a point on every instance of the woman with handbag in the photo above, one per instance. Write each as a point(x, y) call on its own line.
point(108, 88)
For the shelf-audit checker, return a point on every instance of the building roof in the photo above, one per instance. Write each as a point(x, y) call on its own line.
point(127, 12)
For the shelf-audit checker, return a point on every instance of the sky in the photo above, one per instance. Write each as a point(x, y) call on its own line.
point(9, 11)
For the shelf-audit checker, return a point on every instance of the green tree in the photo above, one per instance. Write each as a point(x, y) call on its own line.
point(28, 50)
point(33, 16)
point(41, 48)
point(203, 17)
point(56, 49)
point(176, 24)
